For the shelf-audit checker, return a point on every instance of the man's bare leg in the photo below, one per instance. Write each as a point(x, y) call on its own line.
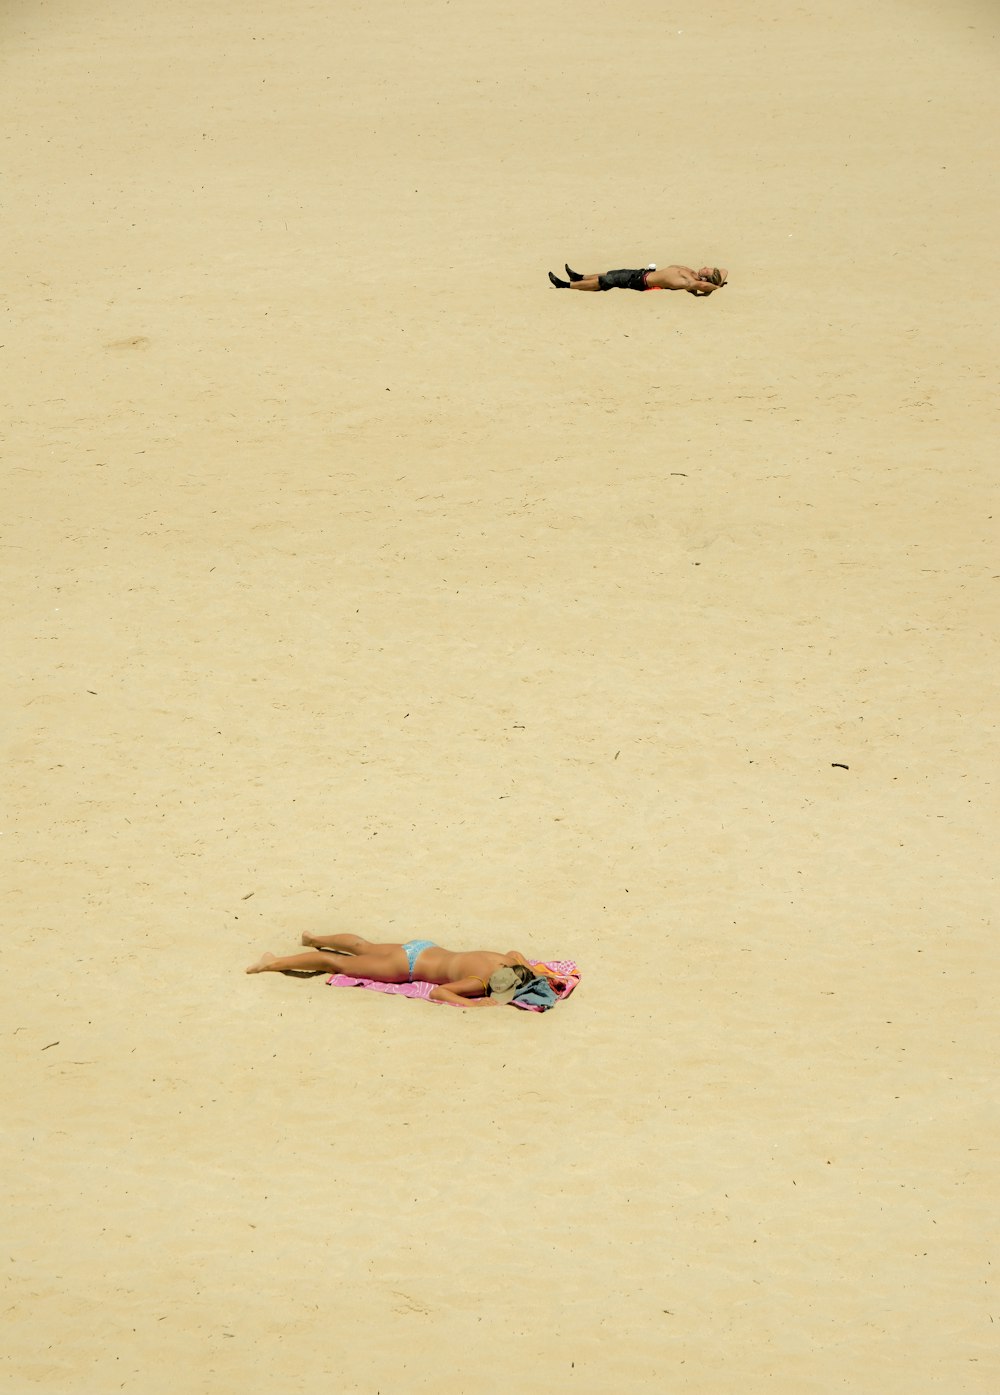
point(578, 283)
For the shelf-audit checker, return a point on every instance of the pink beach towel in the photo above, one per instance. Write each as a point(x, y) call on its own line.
point(417, 989)
point(564, 974)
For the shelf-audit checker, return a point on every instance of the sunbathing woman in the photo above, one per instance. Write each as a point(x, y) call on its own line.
point(462, 978)
point(668, 278)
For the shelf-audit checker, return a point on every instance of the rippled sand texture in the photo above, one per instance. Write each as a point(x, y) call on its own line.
point(358, 580)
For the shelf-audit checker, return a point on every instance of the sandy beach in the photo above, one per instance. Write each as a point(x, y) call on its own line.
point(357, 580)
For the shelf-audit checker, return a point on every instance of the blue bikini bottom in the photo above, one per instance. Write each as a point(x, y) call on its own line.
point(412, 949)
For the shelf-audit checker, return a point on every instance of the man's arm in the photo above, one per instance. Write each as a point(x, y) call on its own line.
point(706, 280)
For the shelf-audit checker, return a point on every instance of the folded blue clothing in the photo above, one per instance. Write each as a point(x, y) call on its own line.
point(537, 993)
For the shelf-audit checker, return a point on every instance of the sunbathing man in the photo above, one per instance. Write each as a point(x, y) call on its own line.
point(462, 978)
point(670, 278)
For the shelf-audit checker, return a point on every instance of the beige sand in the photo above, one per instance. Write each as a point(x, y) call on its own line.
point(357, 579)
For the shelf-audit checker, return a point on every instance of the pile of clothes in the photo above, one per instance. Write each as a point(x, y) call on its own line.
point(552, 981)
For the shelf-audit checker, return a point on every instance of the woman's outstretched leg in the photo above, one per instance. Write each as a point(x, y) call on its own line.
point(385, 968)
point(315, 963)
point(343, 944)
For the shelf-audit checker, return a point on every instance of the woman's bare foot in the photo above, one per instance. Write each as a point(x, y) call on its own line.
point(262, 964)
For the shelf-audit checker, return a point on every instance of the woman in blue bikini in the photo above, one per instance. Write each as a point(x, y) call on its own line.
point(461, 977)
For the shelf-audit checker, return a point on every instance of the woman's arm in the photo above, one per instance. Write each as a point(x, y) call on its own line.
point(467, 992)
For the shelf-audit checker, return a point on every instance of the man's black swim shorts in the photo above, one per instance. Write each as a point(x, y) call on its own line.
point(622, 281)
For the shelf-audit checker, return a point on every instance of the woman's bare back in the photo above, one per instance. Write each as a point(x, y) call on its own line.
point(440, 965)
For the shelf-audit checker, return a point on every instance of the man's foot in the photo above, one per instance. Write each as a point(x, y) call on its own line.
point(262, 963)
point(560, 285)
point(311, 941)
point(573, 275)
